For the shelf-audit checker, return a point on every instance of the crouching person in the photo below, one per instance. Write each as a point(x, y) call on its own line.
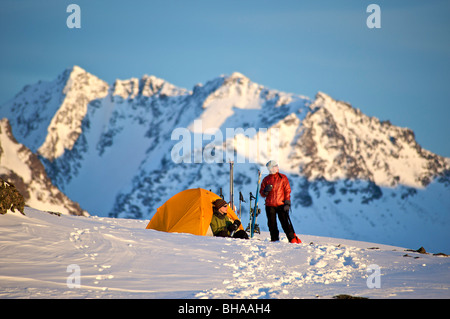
point(221, 225)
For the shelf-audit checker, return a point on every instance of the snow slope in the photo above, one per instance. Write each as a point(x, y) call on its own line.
point(119, 258)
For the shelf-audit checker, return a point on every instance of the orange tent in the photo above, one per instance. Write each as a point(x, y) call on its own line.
point(189, 211)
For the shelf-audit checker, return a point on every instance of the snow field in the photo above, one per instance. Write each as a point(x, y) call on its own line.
point(119, 258)
point(262, 269)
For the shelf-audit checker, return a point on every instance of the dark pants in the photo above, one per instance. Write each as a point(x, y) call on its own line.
point(285, 221)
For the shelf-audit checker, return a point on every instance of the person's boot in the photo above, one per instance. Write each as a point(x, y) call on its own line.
point(295, 240)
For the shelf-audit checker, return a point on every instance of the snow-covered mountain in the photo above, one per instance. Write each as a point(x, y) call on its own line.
point(123, 149)
point(21, 167)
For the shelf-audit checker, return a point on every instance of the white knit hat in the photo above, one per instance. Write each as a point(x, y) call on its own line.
point(271, 164)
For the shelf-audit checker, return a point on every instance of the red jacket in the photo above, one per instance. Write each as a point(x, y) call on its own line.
point(281, 189)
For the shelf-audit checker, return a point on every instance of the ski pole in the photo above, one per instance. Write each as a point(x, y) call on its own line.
point(241, 199)
point(255, 210)
point(231, 185)
point(289, 219)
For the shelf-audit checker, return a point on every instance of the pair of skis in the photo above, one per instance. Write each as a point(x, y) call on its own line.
point(252, 227)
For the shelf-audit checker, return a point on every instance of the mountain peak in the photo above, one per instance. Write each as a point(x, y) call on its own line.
point(71, 73)
point(236, 78)
point(78, 78)
point(77, 69)
point(339, 141)
point(323, 99)
point(147, 86)
point(323, 96)
point(151, 85)
point(237, 75)
point(73, 69)
point(80, 89)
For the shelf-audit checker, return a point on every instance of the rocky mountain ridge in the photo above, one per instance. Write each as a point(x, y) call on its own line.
point(18, 165)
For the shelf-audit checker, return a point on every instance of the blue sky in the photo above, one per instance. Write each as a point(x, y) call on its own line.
point(400, 72)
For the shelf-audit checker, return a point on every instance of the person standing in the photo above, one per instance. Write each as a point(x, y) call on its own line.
point(276, 189)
